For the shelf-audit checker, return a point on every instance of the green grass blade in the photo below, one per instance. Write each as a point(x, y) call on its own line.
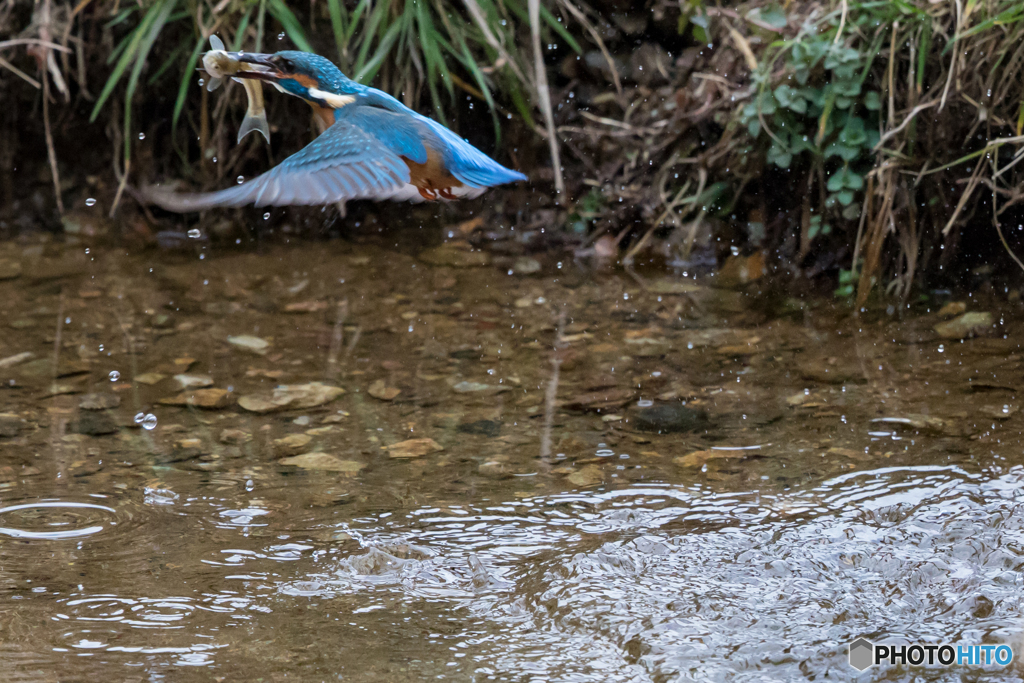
point(121, 16)
point(922, 52)
point(335, 8)
point(372, 66)
point(558, 28)
point(128, 55)
point(164, 9)
point(290, 23)
point(374, 20)
point(186, 80)
point(243, 26)
point(168, 63)
point(353, 21)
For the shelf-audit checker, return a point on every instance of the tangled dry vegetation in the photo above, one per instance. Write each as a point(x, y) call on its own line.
point(870, 139)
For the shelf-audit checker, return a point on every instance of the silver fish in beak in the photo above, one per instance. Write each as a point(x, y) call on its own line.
point(220, 64)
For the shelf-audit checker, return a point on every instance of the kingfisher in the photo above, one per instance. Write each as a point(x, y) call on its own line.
point(371, 146)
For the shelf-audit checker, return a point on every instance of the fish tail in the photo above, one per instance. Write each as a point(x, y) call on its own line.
point(257, 122)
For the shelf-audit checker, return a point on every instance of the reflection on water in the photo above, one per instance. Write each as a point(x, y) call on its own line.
point(728, 498)
point(649, 582)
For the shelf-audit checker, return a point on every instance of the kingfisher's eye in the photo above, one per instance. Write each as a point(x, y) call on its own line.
point(284, 64)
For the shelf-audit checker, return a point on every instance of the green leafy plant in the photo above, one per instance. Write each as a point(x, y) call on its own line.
point(819, 112)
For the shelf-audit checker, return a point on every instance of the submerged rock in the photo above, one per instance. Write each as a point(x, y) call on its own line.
point(248, 342)
point(449, 255)
point(483, 427)
point(413, 448)
point(670, 418)
point(93, 424)
point(99, 401)
point(210, 399)
point(10, 425)
point(324, 461)
point(291, 396)
point(967, 325)
point(381, 391)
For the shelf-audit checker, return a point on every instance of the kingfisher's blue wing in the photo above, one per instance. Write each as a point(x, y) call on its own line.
point(463, 160)
point(344, 163)
point(399, 132)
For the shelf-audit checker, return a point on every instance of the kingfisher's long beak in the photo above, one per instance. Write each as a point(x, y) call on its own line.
point(262, 66)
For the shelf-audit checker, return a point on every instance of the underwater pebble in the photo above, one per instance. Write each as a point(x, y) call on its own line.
point(10, 425)
point(449, 255)
point(324, 461)
point(235, 437)
point(413, 448)
point(291, 396)
point(210, 399)
point(93, 424)
point(16, 359)
point(9, 269)
point(194, 381)
point(967, 325)
point(248, 342)
point(380, 390)
point(99, 401)
point(670, 418)
point(588, 475)
point(292, 443)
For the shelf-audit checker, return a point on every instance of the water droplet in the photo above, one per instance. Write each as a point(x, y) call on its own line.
point(114, 375)
point(142, 136)
point(139, 417)
point(266, 216)
point(90, 202)
point(214, 160)
point(149, 422)
point(101, 347)
point(280, 36)
point(67, 321)
point(240, 179)
point(194, 233)
point(202, 82)
point(249, 486)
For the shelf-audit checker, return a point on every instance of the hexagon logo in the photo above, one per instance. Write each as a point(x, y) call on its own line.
point(862, 654)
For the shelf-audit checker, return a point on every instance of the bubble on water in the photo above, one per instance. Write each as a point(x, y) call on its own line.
point(149, 422)
point(240, 179)
point(266, 216)
point(142, 136)
point(194, 233)
point(90, 202)
point(644, 403)
point(114, 375)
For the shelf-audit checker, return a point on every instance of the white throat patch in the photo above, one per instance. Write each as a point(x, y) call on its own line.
point(330, 99)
